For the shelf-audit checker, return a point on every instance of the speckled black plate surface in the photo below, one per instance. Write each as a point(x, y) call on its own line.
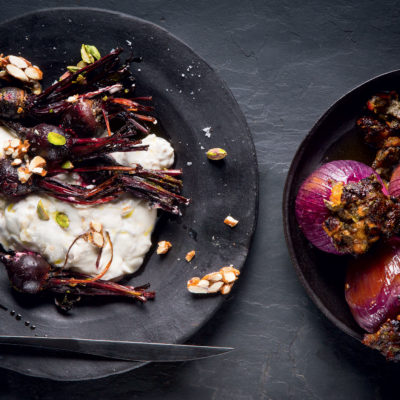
point(188, 97)
point(333, 137)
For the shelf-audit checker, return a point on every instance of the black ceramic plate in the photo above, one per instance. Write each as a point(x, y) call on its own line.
point(333, 137)
point(188, 97)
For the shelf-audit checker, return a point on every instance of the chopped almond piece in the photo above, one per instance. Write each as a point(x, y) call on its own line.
point(197, 289)
point(163, 247)
point(98, 239)
point(230, 221)
point(215, 287)
point(229, 274)
point(203, 283)
point(37, 162)
point(226, 288)
point(14, 142)
point(96, 226)
point(23, 174)
point(214, 277)
point(190, 255)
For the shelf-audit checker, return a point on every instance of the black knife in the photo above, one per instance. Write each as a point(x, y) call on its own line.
point(121, 350)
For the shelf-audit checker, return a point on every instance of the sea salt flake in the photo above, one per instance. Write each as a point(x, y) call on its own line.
point(207, 131)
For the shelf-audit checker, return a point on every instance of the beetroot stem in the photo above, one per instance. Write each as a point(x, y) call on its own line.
point(100, 288)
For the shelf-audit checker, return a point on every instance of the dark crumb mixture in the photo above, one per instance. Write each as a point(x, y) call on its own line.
point(386, 340)
point(381, 129)
point(360, 215)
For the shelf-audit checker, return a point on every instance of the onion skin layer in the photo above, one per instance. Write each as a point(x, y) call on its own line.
point(311, 211)
point(394, 184)
point(372, 286)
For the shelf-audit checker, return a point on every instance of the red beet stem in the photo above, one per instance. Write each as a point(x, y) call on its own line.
point(99, 288)
point(61, 86)
point(88, 95)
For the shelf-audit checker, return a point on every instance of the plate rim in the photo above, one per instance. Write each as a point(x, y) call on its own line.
point(286, 211)
point(247, 131)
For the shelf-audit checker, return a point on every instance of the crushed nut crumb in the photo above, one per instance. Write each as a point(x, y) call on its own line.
point(230, 221)
point(13, 147)
point(95, 234)
point(189, 256)
point(24, 174)
point(16, 161)
point(96, 226)
point(163, 247)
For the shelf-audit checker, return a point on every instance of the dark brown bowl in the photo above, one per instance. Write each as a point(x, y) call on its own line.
point(333, 137)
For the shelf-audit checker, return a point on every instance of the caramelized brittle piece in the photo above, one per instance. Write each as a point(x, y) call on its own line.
point(189, 256)
point(163, 247)
point(214, 282)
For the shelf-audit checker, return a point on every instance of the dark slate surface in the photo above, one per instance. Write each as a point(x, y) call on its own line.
point(286, 62)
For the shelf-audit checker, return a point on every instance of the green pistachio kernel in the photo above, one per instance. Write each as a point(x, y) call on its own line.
point(86, 57)
point(80, 79)
point(81, 64)
point(42, 212)
point(67, 165)
point(56, 139)
point(216, 154)
point(127, 214)
point(92, 50)
point(62, 219)
point(73, 68)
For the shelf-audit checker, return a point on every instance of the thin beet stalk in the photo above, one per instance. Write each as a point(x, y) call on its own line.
point(100, 288)
point(141, 184)
point(106, 145)
point(61, 87)
point(94, 286)
point(132, 105)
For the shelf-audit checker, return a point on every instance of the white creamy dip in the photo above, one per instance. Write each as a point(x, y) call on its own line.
point(129, 221)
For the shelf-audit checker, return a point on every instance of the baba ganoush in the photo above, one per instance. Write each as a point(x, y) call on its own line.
point(129, 221)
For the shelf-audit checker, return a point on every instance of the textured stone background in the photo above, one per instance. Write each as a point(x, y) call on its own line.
point(286, 62)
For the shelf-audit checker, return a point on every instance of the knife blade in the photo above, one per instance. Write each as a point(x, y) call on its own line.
point(120, 350)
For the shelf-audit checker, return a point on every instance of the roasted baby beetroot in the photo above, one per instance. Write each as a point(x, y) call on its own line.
point(57, 145)
point(30, 273)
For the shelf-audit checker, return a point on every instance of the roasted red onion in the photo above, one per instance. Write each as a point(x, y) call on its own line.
point(372, 286)
point(311, 211)
point(394, 184)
